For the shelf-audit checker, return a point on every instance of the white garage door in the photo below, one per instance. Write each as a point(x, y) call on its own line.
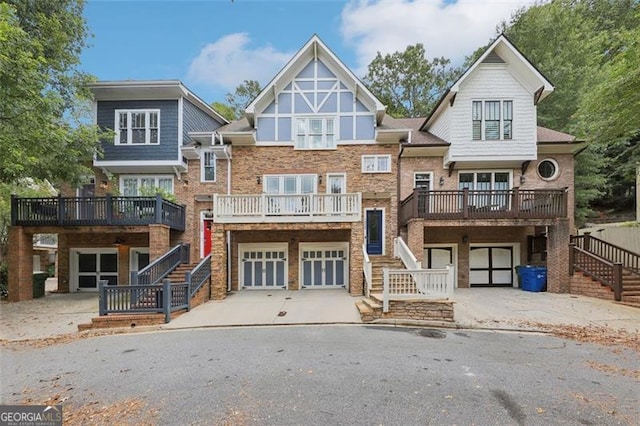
point(263, 266)
point(491, 266)
point(324, 265)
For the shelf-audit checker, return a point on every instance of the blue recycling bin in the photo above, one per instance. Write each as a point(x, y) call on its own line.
point(532, 278)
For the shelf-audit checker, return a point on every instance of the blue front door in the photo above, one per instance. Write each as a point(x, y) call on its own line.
point(375, 235)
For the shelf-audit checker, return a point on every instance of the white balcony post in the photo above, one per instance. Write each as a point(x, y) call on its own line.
point(263, 204)
point(385, 290)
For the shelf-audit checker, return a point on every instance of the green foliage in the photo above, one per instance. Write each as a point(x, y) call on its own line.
point(238, 101)
point(224, 110)
point(590, 52)
point(147, 191)
point(25, 188)
point(407, 82)
point(4, 280)
point(42, 135)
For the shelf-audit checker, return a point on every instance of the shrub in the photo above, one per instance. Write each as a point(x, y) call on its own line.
point(4, 280)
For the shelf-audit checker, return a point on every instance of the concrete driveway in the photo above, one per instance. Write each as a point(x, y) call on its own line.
point(488, 308)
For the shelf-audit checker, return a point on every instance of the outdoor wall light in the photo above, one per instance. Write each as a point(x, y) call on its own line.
point(118, 241)
point(319, 179)
point(258, 180)
point(522, 179)
point(441, 181)
point(465, 238)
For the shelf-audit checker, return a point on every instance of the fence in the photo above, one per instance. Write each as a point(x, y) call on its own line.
point(399, 284)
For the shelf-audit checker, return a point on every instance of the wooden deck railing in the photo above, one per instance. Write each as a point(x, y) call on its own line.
point(470, 204)
point(269, 208)
point(608, 273)
point(162, 298)
point(401, 284)
point(161, 267)
point(608, 251)
point(91, 211)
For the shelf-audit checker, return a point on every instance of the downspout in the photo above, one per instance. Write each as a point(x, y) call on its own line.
point(398, 200)
point(228, 232)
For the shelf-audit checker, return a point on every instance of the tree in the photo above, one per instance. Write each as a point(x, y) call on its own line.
point(42, 135)
point(587, 48)
point(407, 82)
point(224, 110)
point(238, 101)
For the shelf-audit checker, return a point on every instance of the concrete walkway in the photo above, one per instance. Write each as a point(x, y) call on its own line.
point(488, 308)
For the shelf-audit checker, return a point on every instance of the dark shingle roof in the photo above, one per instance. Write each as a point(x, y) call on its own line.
point(420, 138)
point(553, 136)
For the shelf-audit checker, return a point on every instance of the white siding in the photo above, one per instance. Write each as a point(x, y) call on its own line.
point(492, 82)
point(440, 126)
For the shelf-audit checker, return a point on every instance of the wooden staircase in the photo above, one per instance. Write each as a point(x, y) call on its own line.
point(630, 289)
point(176, 276)
point(371, 308)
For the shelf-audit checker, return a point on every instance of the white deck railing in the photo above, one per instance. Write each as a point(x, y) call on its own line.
point(265, 208)
point(402, 284)
point(368, 269)
point(401, 250)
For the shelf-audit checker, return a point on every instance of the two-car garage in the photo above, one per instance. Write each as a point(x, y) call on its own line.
point(268, 265)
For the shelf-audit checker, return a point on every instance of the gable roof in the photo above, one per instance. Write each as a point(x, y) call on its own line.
point(314, 48)
point(150, 89)
point(553, 136)
point(504, 50)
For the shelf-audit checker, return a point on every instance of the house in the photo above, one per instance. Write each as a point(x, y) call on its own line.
point(481, 184)
point(114, 223)
point(315, 183)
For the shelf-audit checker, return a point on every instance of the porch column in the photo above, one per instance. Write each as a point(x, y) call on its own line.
point(63, 272)
point(415, 235)
point(558, 257)
point(218, 263)
point(159, 240)
point(356, 259)
point(20, 264)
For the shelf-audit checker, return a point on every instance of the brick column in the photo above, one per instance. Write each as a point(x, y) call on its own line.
point(356, 259)
point(159, 241)
point(20, 264)
point(558, 257)
point(63, 263)
point(415, 234)
point(218, 264)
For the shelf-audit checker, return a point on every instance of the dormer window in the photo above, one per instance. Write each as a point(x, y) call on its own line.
point(315, 133)
point(492, 120)
point(137, 127)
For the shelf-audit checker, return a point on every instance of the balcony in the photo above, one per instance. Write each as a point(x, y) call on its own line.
point(268, 208)
point(468, 204)
point(96, 211)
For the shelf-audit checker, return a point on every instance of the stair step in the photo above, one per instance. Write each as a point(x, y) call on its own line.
point(372, 304)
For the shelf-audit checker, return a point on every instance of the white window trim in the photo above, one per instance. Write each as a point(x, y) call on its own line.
point(415, 174)
point(324, 118)
point(116, 127)
point(493, 172)
point(376, 157)
point(454, 247)
point(202, 167)
point(281, 182)
point(554, 176)
point(342, 175)
point(483, 119)
point(156, 177)
point(74, 285)
point(132, 255)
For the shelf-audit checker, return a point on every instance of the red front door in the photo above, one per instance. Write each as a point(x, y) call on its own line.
point(207, 238)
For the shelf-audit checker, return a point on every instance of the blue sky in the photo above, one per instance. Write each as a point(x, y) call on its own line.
point(213, 45)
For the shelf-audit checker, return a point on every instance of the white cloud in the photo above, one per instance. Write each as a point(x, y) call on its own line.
point(451, 30)
point(230, 60)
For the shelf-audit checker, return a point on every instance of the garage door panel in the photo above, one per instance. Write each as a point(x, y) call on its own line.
point(479, 257)
point(502, 277)
point(323, 265)
point(262, 267)
point(479, 277)
point(491, 266)
point(501, 258)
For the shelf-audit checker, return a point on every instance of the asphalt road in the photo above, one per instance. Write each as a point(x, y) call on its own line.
point(332, 375)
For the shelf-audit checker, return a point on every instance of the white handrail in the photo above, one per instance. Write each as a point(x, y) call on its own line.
point(399, 284)
point(401, 250)
point(368, 269)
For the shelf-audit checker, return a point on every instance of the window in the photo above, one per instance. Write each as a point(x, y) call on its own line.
point(137, 127)
point(315, 133)
point(548, 169)
point(422, 180)
point(290, 184)
point(208, 166)
point(145, 185)
point(494, 187)
point(491, 120)
point(376, 164)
